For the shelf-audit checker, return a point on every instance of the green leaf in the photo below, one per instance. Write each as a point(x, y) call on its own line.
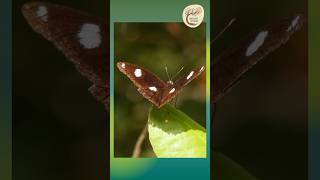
point(173, 134)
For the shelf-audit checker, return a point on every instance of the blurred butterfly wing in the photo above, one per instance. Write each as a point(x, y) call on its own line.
point(233, 63)
point(148, 84)
point(172, 90)
point(81, 37)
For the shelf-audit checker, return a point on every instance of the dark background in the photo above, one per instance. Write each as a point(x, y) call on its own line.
point(60, 131)
point(262, 123)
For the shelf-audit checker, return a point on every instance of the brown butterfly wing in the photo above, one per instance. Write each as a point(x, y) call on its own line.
point(232, 64)
point(172, 90)
point(148, 84)
point(81, 37)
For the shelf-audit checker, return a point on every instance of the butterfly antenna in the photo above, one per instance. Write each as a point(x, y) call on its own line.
point(178, 72)
point(224, 29)
point(167, 72)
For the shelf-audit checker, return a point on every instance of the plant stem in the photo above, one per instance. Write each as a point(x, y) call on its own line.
point(137, 148)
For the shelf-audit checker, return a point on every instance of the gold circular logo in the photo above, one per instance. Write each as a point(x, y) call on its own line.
point(193, 15)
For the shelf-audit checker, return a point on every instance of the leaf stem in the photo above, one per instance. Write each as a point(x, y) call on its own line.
point(137, 148)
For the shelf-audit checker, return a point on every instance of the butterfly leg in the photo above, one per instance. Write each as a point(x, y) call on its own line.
point(175, 101)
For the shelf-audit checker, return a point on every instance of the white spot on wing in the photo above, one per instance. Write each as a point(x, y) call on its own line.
point(138, 72)
point(123, 65)
point(190, 74)
point(293, 24)
point(257, 43)
point(90, 36)
point(153, 88)
point(42, 13)
point(172, 90)
point(202, 68)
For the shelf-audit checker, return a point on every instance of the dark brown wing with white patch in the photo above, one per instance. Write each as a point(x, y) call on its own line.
point(234, 62)
point(148, 84)
point(81, 37)
point(172, 90)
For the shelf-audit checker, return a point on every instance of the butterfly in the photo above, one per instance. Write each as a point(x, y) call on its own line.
point(152, 87)
point(84, 40)
point(233, 63)
point(81, 37)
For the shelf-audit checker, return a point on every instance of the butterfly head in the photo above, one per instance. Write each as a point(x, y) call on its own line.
point(170, 82)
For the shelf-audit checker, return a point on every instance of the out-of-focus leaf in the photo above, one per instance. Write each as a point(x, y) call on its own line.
point(173, 134)
point(223, 168)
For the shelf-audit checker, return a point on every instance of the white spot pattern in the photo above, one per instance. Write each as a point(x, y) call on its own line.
point(293, 24)
point(202, 68)
point(138, 72)
point(190, 74)
point(123, 65)
point(90, 36)
point(172, 90)
point(257, 43)
point(153, 88)
point(42, 13)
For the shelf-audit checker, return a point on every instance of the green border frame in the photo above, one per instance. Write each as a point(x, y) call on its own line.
point(314, 89)
point(154, 168)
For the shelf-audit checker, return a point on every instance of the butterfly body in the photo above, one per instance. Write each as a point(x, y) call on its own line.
point(152, 87)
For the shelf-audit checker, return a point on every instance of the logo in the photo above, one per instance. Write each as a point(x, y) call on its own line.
point(193, 15)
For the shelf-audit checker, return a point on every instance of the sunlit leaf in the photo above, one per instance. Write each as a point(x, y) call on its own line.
point(173, 134)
